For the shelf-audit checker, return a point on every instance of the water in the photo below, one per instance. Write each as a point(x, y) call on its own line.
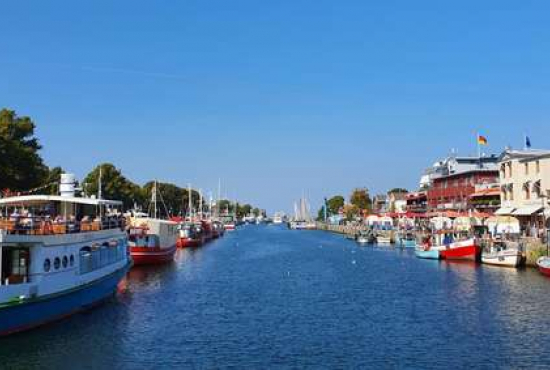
point(268, 297)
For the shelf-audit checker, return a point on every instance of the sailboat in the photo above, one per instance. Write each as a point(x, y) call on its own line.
point(152, 240)
point(302, 219)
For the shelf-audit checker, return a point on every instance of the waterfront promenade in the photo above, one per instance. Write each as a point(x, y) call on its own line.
point(266, 297)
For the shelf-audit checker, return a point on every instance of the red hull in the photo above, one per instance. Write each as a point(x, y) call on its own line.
point(470, 253)
point(189, 243)
point(544, 270)
point(152, 256)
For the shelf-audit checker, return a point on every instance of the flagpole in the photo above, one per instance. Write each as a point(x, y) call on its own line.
point(478, 138)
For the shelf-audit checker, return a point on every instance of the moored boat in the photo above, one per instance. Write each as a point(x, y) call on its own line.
point(430, 253)
point(152, 241)
point(68, 259)
point(188, 236)
point(462, 250)
point(543, 264)
point(502, 257)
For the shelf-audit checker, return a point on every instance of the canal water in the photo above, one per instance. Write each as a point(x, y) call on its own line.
point(267, 297)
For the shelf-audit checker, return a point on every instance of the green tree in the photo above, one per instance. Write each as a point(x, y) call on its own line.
point(361, 199)
point(114, 186)
point(53, 179)
point(335, 204)
point(21, 166)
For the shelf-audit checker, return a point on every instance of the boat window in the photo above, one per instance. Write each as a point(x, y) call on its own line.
point(57, 263)
point(65, 262)
point(47, 265)
point(71, 261)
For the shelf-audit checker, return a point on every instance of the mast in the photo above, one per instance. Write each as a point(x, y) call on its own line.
point(200, 204)
point(155, 199)
point(189, 202)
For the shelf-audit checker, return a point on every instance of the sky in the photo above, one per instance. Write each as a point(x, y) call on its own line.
point(277, 99)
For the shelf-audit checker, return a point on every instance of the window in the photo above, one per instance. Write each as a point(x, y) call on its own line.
point(527, 169)
point(57, 263)
point(71, 261)
point(511, 193)
point(503, 171)
point(510, 172)
point(65, 262)
point(47, 265)
point(538, 167)
point(526, 191)
point(100, 256)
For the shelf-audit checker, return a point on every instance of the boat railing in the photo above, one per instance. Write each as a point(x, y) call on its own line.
point(47, 226)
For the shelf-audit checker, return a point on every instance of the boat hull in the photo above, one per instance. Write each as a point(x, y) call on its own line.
point(188, 243)
point(32, 314)
point(431, 254)
point(406, 243)
point(152, 256)
point(468, 253)
point(544, 266)
point(501, 259)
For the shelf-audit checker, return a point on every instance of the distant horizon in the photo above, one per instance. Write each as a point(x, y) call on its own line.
point(276, 99)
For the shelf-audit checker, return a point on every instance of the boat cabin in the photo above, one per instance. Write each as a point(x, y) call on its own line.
point(33, 229)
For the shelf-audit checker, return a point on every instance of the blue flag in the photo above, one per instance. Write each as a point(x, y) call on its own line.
point(527, 142)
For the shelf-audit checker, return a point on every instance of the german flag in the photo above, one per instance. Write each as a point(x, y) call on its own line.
point(482, 140)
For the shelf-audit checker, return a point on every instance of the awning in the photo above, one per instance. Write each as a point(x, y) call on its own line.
point(505, 211)
point(527, 211)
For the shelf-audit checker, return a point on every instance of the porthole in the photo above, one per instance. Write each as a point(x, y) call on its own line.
point(65, 262)
point(71, 261)
point(47, 265)
point(57, 263)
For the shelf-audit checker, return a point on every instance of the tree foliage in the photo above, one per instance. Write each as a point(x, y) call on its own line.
point(335, 203)
point(360, 198)
point(114, 186)
point(21, 166)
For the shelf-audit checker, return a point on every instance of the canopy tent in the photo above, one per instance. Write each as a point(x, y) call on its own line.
point(372, 220)
point(527, 211)
point(503, 225)
point(466, 223)
point(441, 223)
point(505, 211)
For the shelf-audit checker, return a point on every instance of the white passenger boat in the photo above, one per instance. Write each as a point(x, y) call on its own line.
point(58, 255)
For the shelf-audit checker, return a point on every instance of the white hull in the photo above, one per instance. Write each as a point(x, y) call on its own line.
point(503, 258)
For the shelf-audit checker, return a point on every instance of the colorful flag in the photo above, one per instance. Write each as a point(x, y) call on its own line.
point(482, 140)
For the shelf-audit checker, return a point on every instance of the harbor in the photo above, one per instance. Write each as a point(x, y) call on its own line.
point(267, 295)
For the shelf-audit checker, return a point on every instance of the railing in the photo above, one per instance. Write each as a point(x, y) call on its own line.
point(47, 226)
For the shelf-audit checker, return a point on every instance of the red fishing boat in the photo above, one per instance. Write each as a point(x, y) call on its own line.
point(152, 241)
point(188, 236)
point(544, 265)
point(462, 250)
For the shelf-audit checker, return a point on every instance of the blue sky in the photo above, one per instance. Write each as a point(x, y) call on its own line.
point(275, 98)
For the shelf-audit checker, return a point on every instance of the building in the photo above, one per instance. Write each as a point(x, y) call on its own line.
point(486, 199)
point(380, 204)
point(525, 188)
point(397, 200)
point(454, 180)
point(417, 203)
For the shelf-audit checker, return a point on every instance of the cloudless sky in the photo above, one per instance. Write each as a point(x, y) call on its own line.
point(276, 98)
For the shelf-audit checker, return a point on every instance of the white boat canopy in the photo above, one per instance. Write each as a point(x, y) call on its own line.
point(505, 211)
point(441, 223)
point(43, 199)
point(466, 223)
point(527, 211)
point(503, 225)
